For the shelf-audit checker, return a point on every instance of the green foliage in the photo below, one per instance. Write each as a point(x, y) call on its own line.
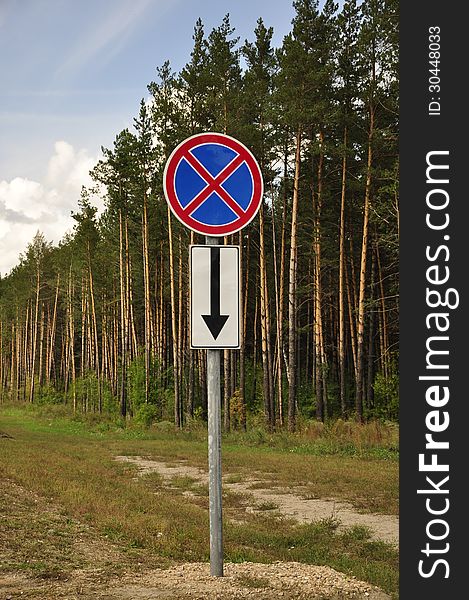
point(386, 397)
point(136, 383)
point(146, 414)
point(86, 391)
point(47, 394)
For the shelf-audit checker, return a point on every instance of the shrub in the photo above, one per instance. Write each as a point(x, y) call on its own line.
point(386, 397)
point(146, 414)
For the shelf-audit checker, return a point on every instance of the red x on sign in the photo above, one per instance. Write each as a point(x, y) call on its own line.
point(213, 184)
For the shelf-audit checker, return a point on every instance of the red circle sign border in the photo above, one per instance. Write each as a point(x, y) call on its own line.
point(170, 192)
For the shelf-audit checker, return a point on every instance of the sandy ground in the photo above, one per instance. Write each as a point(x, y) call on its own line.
point(291, 503)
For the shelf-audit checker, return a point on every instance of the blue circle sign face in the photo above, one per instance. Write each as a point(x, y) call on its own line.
point(213, 184)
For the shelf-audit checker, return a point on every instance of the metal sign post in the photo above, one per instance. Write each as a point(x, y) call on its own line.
point(214, 455)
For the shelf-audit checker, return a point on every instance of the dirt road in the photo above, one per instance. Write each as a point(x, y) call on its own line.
point(292, 502)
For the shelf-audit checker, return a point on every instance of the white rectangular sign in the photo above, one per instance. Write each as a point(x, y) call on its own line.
point(215, 300)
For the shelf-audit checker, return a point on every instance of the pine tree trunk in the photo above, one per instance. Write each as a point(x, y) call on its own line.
point(384, 325)
point(146, 295)
point(242, 348)
point(95, 331)
point(226, 389)
point(133, 341)
point(351, 313)
point(369, 394)
point(320, 356)
point(281, 290)
point(123, 306)
point(115, 342)
point(41, 347)
point(203, 382)
point(318, 374)
point(18, 358)
point(192, 353)
point(254, 358)
point(24, 365)
point(13, 392)
point(341, 344)
point(265, 329)
point(177, 415)
point(362, 288)
point(292, 359)
point(52, 333)
point(71, 333)
point(278, 363)
point(34, 337)
point(180, 339)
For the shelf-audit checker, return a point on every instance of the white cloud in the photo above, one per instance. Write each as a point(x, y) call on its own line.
point(28, 206)
point(67, 172)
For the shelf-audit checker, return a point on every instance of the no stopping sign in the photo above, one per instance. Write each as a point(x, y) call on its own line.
point(213, 184)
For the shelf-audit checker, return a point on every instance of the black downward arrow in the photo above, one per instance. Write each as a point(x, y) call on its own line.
point(215, 321)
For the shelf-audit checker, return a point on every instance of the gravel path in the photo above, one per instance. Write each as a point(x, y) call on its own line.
point(246, 581)
point(290, 502)
point(192, 581)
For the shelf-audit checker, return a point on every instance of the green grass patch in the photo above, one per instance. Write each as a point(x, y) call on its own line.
point(183, 483)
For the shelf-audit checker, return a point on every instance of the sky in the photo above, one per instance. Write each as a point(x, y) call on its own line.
point(72, 74)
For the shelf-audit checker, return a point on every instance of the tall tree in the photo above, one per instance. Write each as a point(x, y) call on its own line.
point(35, 255)
point(85, 241)
point(348, 23)
point(258, 82)
point(223, 77)
point(194, 81)
point(167, 118)
point(379, 25)
point(145, 155)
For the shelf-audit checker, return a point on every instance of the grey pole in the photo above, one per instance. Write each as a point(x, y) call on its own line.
point(214, 454)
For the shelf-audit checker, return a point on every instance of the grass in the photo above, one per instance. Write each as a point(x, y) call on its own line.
point(266, 506)
point(183, 483)
point(367, 476)
point(234, 478)
point(252, 582)
point(72, 464)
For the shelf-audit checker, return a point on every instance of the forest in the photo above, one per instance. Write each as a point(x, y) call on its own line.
point(100, 322)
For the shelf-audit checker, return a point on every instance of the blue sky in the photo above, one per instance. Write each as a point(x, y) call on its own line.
point(72, 76)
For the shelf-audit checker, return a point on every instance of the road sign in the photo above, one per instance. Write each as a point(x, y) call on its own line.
point(215, 302)
point(213, 184)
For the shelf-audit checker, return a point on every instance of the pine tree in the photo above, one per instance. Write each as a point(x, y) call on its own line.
point(223, 78)
point(194, 82)
point(167, 120)
point(257, 108)
point(375, 50)
point(348, 24)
